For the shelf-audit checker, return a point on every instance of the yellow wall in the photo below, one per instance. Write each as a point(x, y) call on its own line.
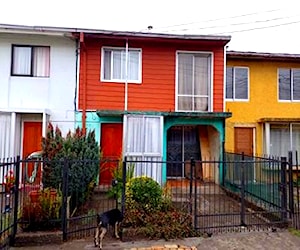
point(263, 101)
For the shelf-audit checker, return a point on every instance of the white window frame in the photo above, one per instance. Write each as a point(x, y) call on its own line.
point(267, 130)
point(139, 80)
point(234, 85)
point(32, 61)
point(210, 88)
point(291, 83)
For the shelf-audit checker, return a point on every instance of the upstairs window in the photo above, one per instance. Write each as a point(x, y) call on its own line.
point(114, 65)
point(194, 76)
point(237, 83)
point(32, 61)
point(289, 84)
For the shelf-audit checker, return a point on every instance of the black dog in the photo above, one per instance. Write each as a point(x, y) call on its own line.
point(113, 218)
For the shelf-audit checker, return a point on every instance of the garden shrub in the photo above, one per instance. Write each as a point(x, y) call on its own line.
point(149, 212)
point(82, 154)
point(144, 191)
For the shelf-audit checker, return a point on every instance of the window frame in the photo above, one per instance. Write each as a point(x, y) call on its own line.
point(210, 87)
point(31, 60)
point(234, 85)
point(102, 79)
point(291, 70)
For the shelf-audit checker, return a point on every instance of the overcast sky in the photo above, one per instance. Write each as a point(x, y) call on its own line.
point(256, 25)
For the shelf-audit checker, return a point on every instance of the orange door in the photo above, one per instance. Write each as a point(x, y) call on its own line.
point(32, 141)
point(111, 147)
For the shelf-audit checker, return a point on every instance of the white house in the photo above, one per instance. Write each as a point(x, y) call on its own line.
point(38, 75)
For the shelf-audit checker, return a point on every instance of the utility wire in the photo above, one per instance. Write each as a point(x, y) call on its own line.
point(258, 28)
point(237, 24)
point(217, 19)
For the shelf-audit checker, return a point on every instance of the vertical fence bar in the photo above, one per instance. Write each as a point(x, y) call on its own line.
point(283, 190)
point(65, 199)
point(16, 201)
point(297, 212)
point(124, 184)
point(243, 191)
point(291, 189)
point(191, 189)
point(193, 170)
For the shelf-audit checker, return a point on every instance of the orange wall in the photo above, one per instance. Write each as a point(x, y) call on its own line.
point(157, 90)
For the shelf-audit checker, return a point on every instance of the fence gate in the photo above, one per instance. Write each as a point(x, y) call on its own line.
point(250, 195)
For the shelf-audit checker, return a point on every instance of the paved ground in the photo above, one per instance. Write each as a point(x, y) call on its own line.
point(281, 240)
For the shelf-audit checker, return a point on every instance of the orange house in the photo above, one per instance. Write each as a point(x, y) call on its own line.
point(157, 97)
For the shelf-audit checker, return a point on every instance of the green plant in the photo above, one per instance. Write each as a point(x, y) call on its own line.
point(41, 210)
point(144, 191)
point(81, 153)
point(116, 190)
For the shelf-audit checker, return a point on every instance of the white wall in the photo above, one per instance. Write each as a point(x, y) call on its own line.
point(55, 93)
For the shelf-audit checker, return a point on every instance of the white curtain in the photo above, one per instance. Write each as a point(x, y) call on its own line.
point(144, 143)
point(115, 65)
point(133, 65)
point(280, 142)
point(41, 61)
point(117, 59)
point(21, 60)
point(193, 81)
point(5, 135)
point(185, 81)
point(201, 83)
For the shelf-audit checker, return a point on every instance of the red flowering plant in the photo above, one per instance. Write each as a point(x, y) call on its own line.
point(9, 180)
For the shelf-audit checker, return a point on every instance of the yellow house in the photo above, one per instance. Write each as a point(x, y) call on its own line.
point(263, 94)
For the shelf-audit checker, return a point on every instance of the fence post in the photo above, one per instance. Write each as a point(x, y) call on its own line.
point(243, 191)
point(16, 201)
point(291, 189)
point(124, 184)
point(283, 190)
point(193, 170)
point(65, 199)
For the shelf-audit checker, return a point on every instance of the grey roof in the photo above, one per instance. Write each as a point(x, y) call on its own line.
point(262, 56)
point(66, 31)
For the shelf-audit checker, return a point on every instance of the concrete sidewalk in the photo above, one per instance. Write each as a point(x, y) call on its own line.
point(280, 240)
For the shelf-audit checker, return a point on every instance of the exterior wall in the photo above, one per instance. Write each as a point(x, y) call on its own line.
point(263, 101)
point(55, 93)
point(52, 97)
point(157, 90)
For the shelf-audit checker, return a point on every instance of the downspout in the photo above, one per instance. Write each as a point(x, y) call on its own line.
point(125, 101)
point(83, 65)
point(77, 75)
point(126, 77)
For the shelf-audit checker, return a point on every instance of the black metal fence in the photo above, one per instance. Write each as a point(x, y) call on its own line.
point(238, 193)
point(9, 200)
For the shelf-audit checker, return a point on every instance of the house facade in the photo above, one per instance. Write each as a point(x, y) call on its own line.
point(153, 97)
point(263, 95)
point(38, 85)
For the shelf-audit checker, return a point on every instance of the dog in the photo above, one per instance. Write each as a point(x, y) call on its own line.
point(114, 218)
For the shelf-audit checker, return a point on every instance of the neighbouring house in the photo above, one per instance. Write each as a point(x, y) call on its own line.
point(154, 97)
point(38, 85)
point(263, 95)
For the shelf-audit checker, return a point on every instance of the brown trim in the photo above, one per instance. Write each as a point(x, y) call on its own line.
point(263, 56)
